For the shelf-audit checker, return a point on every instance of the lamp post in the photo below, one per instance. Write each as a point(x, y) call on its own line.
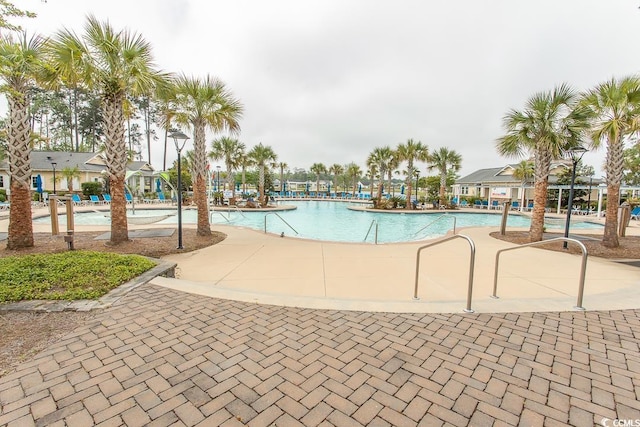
point(589, 196)
point(417, 179)
point(576, 154)
point(179, 136)
point(53, 165)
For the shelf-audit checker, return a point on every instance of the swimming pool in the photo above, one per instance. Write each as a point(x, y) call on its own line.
point(333, 221)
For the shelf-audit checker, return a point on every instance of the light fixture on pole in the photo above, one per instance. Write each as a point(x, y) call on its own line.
point(576, 154)
point(177, 137)
point(53, 165)
point(417, 179)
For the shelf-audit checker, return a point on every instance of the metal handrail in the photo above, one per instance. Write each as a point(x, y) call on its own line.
point(583, 266)
point(219, 213)
point(237, 209)
point(436, 220)
point(282, 219)
point(472, 246)
point(369, 230)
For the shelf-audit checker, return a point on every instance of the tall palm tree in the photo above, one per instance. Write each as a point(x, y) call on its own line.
point(335, 170)
point(410, 152)
point(445, 161)
point(317, 169)
point(392, 165)
point(262, 156)
point(282, 166)
point(550, 124)
point(67, 53)
point(524, 171)
point(244, 161)
point(205, 103)
point(229, 150)
point(381, 157)
point(115, 64)
point(354, 172)
point(21, 62)
point(615, 106)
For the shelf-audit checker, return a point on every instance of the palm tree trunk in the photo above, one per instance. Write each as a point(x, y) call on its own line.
point(614, 167)
point(261, 187)
point(443, 187)
point(610, 236)
point(537, 217)
point(116, 154)
point(199, 169)
point(20, 233)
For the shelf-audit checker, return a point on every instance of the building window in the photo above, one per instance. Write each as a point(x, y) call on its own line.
point(1, 181)
point(34, 182)
point(464, 189)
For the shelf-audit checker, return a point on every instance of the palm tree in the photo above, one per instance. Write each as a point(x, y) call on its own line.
point(282, 166)
point(394, 163)
point(615, 106)
point(229, 150)
point(524, 171)
point(20, 66)
point(115, 64)
point(381, 157)
point(262, 156)
point(205, 103)
point(317, 169)
point(335, 170)
point(69, 173)
point(354, 172)
point(244, 161)
point(410, 152)
point(445, 161)
point(550, 123)
point(68, 55)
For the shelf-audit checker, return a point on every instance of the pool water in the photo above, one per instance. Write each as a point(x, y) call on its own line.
point(333, 221)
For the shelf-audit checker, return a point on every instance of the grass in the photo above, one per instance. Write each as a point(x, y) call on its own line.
point(67, 275)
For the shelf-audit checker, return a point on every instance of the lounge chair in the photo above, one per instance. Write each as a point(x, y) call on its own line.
point(635, 213)
point(485, 204)
point(515, 206)
point(163, 199)
point(106, 198)
point(95, 200)
point(495, 205)
point(128, 197)
point(77, 200)
point(477, 204)
point(464, 204)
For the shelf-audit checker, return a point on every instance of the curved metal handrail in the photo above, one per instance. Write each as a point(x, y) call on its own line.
point(583, 266)
point(219, 213)
point(436, 220)
point(237, 209)
point(472, 246)
point(369, 230)
point(282, 219)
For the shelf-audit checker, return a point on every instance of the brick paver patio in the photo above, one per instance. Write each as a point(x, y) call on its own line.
point(161, 357)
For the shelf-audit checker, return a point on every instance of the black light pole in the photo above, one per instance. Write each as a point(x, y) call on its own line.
point(576, 154)
point(53, 165)
point(589, 197)
point(179, 136)
point(417, 178)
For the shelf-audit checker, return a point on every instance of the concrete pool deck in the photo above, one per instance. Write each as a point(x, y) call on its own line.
point(251, 266)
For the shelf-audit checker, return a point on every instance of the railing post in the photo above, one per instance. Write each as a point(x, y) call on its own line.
point(471, 267)
point(583, 266)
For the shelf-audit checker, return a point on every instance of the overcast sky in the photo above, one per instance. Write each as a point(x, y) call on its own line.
point(329, 80)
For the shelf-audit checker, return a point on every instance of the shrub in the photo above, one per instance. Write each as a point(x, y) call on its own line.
point(89, 188)
point(64, 275)
point(3, 195)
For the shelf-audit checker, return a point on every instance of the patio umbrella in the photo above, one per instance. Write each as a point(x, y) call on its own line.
point(307, 187)
point(402, 189)
point(39, 183)
point(158, 189)
point(329, 188)
point(359, 188)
